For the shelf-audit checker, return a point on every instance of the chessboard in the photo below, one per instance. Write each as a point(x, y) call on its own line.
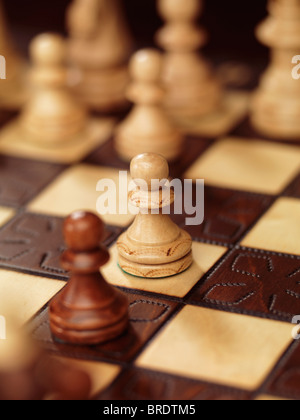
point(222, 330)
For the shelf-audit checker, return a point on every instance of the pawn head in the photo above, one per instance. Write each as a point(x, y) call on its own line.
point(83, 231)
point(173, 10)
point(146, 65)
point(48, 49)
point(148, 167)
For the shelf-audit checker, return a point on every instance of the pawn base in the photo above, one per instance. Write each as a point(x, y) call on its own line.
point(91, 337)
point(156, 271)
point(14, 141)
point(276, 117)
point(104, 90)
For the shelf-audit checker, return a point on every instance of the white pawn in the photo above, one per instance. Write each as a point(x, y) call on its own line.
point(276, 103)
point(13, 71)
point(192, 89)
point(51, 115)
point(154, 246)
point(147, 129)
point(99, 48)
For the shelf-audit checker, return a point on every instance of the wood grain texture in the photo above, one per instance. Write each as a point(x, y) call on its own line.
point(153, 246)
point(88, 311)
point(26, 293)
point(279, 228)
point(76, 189)
point(224, 348)
point(255, 166)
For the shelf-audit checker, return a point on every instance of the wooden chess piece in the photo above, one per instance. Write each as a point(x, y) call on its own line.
point(88, 310)
point(28, 373)
point(12, 92)
point(154, 246)
point(51, 115)
point(147, 129)
point(192, 89)
point(63, 380)
point(99, 49)
point(275, 109)
point(19, 361)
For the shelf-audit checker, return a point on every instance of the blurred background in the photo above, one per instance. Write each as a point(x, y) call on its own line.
point(230, 23)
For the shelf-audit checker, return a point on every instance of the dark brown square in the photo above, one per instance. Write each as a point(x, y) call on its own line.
point(286, 381)
point(247, 130)
point(21, 179)
point(228, 215)
point(194, 147)
point(33, 243)
point(294, 189)
point(139, 384)
point(147, 315)
point(254, 282)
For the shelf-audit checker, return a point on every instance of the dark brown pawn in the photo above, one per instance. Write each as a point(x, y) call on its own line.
point(88, 310)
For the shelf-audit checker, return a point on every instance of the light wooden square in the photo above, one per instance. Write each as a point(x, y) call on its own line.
point(5, 215)
point(14, 142)
point(205, 256)
point(233, 109)
point(24, 295)
point(224, 348)
point(270, 398)
point(250, 165)
point(75, 189)
point(279, 229)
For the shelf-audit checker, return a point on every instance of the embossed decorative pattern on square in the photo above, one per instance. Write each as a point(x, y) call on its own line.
point(21, 179)
point(146, 315)
point(34, 243)
point(279, 229)
point(249, 165)
point(228, 214)
point(252, 281)
point(228, 349)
